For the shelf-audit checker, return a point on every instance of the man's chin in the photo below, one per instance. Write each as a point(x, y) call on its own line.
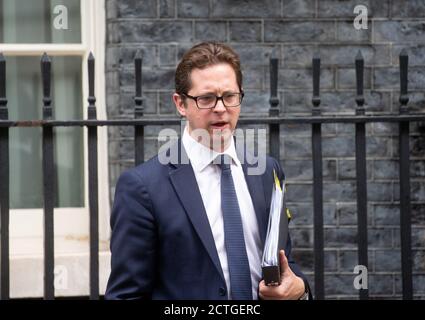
point(222, 132)
point(220, 139)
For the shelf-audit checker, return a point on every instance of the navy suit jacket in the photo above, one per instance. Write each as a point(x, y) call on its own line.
point(162, 244)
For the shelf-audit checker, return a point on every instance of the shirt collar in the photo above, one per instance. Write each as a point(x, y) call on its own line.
point(201, 156)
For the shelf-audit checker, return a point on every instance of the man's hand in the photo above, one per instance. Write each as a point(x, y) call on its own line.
point(291, 286)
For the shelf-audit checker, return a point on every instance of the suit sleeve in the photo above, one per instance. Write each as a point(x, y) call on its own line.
point(133, 241)
point(292, 264)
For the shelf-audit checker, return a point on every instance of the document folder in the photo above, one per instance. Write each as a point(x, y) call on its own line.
point(277, 234)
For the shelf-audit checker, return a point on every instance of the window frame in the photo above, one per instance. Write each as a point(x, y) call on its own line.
point(28, 223)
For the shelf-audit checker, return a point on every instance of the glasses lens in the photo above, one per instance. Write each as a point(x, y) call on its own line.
point(207, 101)
point(232, 99)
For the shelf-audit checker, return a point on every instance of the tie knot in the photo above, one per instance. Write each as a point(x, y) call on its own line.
point(223, 161)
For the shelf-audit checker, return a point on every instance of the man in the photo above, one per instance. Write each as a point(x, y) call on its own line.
point(196, 230)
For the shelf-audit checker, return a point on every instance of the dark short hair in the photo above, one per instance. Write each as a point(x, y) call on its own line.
point(201, 56)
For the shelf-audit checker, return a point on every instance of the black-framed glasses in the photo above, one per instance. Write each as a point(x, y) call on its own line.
point(209, 101)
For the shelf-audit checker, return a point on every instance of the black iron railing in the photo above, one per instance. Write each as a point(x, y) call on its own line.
point(274, 120)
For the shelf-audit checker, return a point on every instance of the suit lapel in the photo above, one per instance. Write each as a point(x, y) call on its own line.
point(185, 185)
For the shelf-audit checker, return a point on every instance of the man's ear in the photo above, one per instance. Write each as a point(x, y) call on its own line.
point(179, 102)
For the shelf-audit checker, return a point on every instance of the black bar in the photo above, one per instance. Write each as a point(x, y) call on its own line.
point(3, 101)
point(274, 110)
point(404, 98)
point(157, 121)
point(318, 211)
point(139, 131)
point(93, 187)
point(49, 192)
point(274, 100)
point(316, 84)
point(359, 81)
point(405, 210)
point(319, 283)
point(4, 188)
point(361, 174)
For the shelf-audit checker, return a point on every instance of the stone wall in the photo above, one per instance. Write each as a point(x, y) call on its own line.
point(292, 30)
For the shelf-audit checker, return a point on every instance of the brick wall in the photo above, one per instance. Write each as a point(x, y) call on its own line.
point(292, 30)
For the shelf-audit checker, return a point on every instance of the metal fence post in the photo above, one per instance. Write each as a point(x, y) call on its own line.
point(274, 110)
point(361, 172)
point(49, 190)
point(4, 188)
point(405, 214)
point(93, 185)
point(139, 131)
point(317, 185)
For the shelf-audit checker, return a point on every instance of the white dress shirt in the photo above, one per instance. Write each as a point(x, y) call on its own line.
point(208, 176)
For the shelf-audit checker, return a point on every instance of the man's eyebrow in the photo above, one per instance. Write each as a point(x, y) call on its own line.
point(213, 93)
point(207, 93)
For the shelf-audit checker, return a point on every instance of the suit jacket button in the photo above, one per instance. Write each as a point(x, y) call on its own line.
point(222, 291)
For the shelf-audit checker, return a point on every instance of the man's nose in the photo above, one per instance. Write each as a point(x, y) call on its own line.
point(219, 107)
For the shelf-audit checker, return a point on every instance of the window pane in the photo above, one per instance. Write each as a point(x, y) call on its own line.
point(24, 93)
point(40, 21)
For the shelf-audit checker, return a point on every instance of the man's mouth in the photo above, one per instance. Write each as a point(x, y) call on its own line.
point(220, 125)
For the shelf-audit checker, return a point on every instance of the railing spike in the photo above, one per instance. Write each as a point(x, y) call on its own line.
point(359, 55)
point(138, 112)
point(138, 55)
point(359, 62)
point(46, 66)
point(404, 98)
point(91, 98)
point(3, 100)
point(45, 57)
point(274, 100)
point(316, 83)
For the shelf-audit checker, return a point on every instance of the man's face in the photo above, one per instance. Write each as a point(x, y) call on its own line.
point(219, 122)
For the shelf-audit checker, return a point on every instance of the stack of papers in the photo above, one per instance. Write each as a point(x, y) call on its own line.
point(277, 234)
